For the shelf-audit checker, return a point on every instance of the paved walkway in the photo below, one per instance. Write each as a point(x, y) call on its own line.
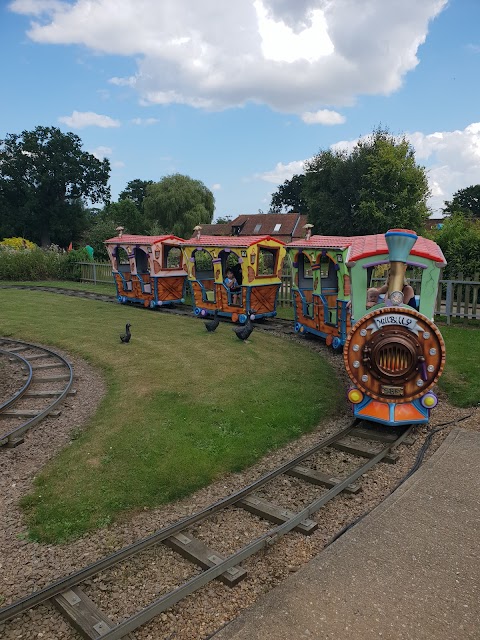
point(409, 570)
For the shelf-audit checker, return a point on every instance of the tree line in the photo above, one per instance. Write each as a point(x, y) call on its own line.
point(52, 191)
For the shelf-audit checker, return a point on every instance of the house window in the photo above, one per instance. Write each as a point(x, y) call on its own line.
point(277, 227)
point(257, 228)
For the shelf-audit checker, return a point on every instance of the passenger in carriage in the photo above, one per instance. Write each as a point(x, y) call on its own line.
point(231, 283)
point(408, 293)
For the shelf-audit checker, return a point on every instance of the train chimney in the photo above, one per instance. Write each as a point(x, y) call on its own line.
point(308, 230)
point(198, 229)
point(400, 242)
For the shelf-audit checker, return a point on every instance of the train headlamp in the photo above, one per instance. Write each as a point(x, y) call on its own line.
point(429, 400)
point(355, 396)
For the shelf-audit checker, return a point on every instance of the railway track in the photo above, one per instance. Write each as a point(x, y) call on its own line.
point(48, 380)
point(363, 447)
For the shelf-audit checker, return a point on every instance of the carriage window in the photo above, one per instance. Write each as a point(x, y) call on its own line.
point(267, 262)
point(203, 264)
point(305, 272)
point(121, 259)
point(328, 274)
point(141, 260)
point(172, 257)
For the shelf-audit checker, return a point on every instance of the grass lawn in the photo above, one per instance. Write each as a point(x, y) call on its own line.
point(183, 406)
point(461, 377)
point(101, 287)
point(286, 313)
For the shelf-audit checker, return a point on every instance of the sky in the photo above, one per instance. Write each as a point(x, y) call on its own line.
point(239, 94)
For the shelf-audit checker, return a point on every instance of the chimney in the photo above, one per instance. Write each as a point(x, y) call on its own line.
point(120, 231)
point(308, 232)
point(198, 229)
point(400, 242)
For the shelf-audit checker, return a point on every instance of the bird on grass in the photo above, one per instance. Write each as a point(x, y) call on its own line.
point(211, 325)
point(125, 337)
point(243, 333)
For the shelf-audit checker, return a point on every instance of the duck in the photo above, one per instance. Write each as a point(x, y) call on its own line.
point(125, 337)
point(211, 325)
point(244, 332)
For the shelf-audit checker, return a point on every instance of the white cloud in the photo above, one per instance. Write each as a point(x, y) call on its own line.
point(283, 172)
point(144, 121)
point(323, 116)
point(452, 160)
point(293, 55)
point(101, 152)
point(81, 119)
point(216, 187)
point(118, 164)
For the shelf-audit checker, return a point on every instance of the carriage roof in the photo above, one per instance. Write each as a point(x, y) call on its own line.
point(360, 247)
point(229, 241)
point(132, 239)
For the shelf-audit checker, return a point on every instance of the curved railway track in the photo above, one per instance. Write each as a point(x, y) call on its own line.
point(49, 378)
point(372, 446)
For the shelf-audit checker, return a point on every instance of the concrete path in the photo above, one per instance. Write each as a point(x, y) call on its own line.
point(409, 570)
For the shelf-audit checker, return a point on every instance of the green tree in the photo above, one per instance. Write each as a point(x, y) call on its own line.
point(459, 239)
point(223, 220)
point(45, 181)
point(126, 214)
point(178, 203)
point(375, 187)
point(466, 201)
point(289, 197)
point(136, 190)
point(103, 229)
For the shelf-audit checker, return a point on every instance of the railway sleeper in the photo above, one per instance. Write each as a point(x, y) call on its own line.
point(317, 477)
point(363, 452)
point(378, 436)
point(273, 513)
point(83, 614)
point(47, 394)
point(197, 552)
point(26, 413)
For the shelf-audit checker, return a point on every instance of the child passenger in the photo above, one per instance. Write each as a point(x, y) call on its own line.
point(231, 284)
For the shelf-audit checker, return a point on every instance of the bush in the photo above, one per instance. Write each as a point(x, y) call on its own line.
point(18, 244)
point(39, 264)
point(459, 240)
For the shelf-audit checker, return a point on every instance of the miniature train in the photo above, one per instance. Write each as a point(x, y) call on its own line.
point(393, 352)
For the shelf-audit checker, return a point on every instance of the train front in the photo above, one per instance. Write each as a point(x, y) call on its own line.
point(394, 355)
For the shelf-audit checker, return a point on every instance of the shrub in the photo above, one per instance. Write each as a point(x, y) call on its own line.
point(39, 264)
point(459, 240)
point(18, 244)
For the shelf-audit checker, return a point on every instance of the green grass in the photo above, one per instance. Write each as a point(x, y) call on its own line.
point(101, 287)
point(183, 407)
point(461, 377)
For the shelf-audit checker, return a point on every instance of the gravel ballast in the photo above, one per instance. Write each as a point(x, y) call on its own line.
point(124, 589)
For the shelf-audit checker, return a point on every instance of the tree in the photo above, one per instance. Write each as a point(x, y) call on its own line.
point(223, 220)
point(375, 187)
point(125, 213)
point(459, 239)
point(136, 190)
point(288, 196)
point(466, 201)
point(178, 203)
point(45, 181)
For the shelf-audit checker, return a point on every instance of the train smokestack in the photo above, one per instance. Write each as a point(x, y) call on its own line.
point(400, 242)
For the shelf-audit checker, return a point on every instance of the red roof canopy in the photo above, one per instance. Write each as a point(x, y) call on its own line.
point(131, 239)
point(369, 246)
point(228, 241)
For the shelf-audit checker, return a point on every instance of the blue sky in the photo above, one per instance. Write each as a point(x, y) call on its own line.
point(238, 95)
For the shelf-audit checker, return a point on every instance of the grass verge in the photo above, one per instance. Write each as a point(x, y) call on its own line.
point(183, 406)
point(461, 377)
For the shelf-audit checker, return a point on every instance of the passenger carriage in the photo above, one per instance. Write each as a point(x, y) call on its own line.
point(321, 287)
point(148, 270)
point(256, 262)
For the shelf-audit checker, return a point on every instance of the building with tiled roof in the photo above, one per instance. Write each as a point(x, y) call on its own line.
point(281, 226)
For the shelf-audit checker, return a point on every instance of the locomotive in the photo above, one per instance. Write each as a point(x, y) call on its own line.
point(394, 354)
